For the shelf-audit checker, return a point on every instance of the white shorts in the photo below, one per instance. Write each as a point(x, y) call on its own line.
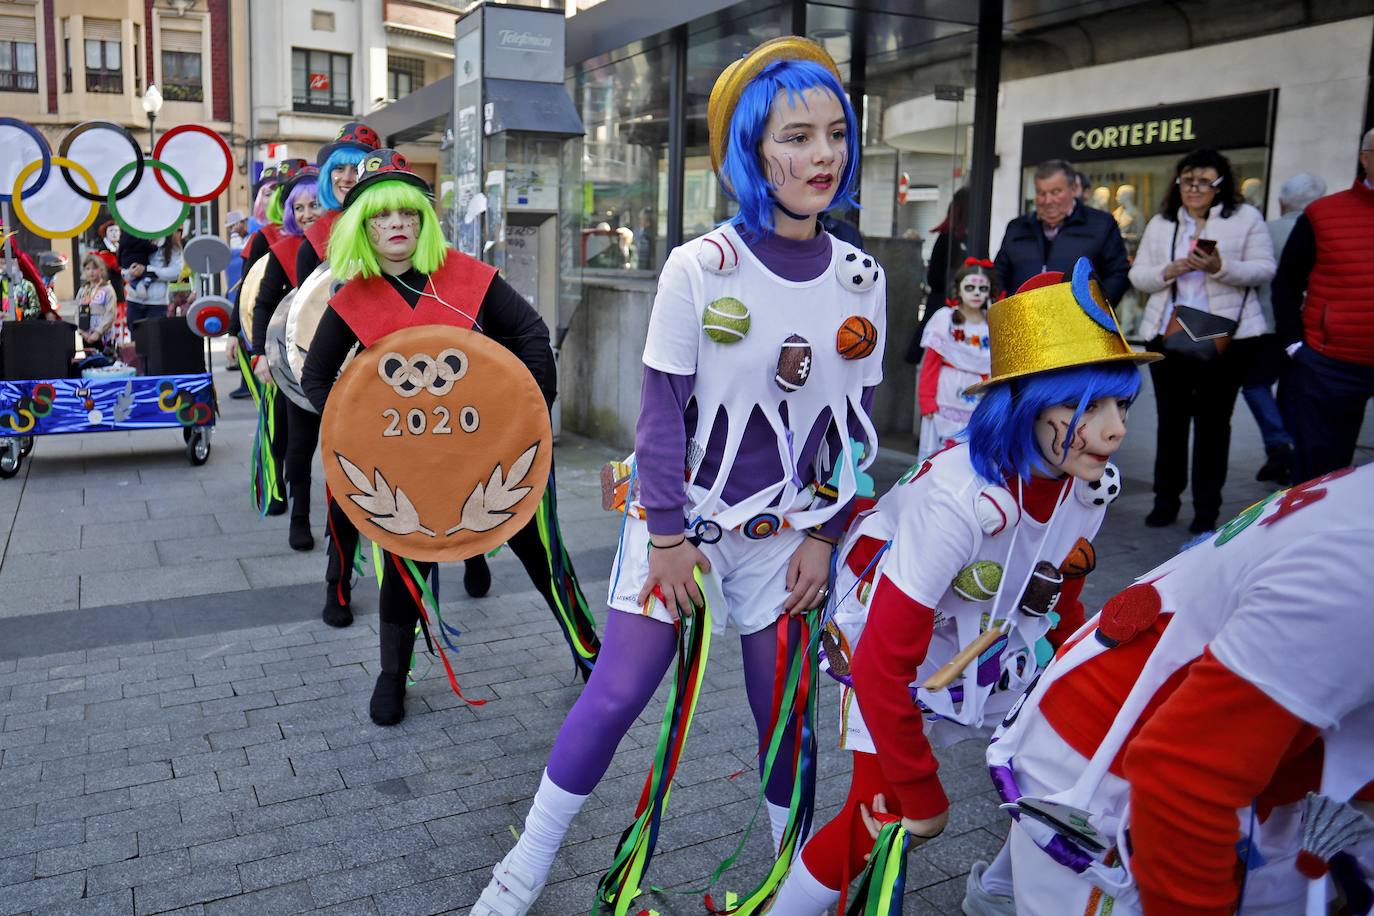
point(752, 576)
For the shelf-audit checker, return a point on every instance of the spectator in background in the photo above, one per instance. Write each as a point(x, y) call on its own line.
point(1082, 186)
point(947, 256)
point(149, 270)
point(1058, 233)
point(1330, 336)
point(236, 225)
point(1199, 390)
point(95, 305)
point(1268, 358)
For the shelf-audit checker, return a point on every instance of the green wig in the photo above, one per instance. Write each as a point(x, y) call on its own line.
point(350, 249)
point(276, 205)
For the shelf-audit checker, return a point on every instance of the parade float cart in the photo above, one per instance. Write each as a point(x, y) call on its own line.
point(58, 196)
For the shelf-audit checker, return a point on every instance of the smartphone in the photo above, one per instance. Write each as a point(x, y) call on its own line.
point(1206, 246)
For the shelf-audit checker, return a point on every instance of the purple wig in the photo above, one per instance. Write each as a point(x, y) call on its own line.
point(304, 188)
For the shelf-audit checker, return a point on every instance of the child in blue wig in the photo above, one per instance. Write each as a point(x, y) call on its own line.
point(763, 350)
point(958, 583)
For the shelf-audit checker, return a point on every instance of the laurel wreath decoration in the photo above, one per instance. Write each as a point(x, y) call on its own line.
point(388, 509)
point(488, 504)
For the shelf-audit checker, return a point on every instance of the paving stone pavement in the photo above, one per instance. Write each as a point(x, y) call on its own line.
point(179, 732)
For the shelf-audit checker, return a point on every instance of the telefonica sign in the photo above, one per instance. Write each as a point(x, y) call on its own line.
point(1227, 123)
point(526, 41)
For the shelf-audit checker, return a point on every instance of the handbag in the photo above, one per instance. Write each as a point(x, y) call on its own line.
point(1198, 335)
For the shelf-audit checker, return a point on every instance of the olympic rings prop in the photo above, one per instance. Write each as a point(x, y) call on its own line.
point(183, 210)
point(95, 170)
point(20, 144)
point(196, 140)
point(22, 210)
point(84, 144)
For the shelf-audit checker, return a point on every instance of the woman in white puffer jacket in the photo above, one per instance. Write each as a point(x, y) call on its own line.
point(1170, 267)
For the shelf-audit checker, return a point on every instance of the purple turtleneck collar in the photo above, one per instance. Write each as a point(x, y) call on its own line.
point(795, 261)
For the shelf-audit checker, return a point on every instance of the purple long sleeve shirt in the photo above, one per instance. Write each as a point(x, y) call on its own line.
point(667, 412)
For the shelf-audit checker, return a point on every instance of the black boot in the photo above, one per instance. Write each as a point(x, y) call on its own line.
point(1279, 466)
point(337, 612)
point(300, 537)
point(388, 697)
point(1203, 522)
point(1163, 514)
point(476, 576)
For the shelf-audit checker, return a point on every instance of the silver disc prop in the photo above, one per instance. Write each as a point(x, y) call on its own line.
point(307, 308)
point(206, 254)
point(282, 373)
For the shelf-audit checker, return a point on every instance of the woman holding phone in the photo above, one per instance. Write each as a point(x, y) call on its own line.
point(1199, 262)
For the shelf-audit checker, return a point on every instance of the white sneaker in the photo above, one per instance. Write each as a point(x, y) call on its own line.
point(978, 902)
point(512, 891)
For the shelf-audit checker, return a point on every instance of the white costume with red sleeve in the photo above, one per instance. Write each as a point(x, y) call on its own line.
point(938, 519)
point(1271, 614)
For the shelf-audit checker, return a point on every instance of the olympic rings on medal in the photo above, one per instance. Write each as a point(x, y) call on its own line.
point(182, 210)
point(764, 525)
point(20, 144)
point(22, 210)
point(422, 372)
point(196, 140)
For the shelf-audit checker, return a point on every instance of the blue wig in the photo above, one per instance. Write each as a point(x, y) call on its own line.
point(344, 155)
point(742, 173)
point(304, 188)
point(1001, 432)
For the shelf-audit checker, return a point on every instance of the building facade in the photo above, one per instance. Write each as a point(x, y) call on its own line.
point(319, 63)
point(66, 62)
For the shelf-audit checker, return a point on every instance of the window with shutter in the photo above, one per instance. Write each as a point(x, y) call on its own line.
point(18, 54)
point(181, 66)
point(104, 57)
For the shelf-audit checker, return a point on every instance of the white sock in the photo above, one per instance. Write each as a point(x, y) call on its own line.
point(777, 819)
point(545, 826)
point(996, 879)
point(802, 895)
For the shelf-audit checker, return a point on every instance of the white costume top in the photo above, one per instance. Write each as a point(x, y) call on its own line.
point(738, 377)
point(968, 357)
point(1281, 595)
point(939, 520)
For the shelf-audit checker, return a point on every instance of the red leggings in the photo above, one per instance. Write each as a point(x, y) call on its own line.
point(835, 854)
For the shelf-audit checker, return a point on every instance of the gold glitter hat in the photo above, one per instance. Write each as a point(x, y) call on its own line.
point(1051, 324)
point(734, 78)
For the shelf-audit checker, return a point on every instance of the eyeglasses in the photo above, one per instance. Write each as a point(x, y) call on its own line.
point(1198, 184)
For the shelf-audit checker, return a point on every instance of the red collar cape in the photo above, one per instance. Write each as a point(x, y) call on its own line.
point(318, 233)
point(373, 308)
point(285, 249)
point(270, 231)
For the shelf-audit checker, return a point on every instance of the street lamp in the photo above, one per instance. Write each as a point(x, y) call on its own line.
point(152, 104)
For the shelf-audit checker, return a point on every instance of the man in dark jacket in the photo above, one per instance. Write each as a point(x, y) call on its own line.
point(1058, 233)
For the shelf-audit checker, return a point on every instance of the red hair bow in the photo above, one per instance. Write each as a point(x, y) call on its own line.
point(978, 262)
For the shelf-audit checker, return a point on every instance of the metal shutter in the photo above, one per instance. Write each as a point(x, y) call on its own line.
point(102, 30)
point(18, 28)
point(181, 40)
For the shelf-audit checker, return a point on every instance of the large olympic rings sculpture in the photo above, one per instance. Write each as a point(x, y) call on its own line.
point(99, 162)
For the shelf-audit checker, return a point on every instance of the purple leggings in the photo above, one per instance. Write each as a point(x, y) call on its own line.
point(635, 653)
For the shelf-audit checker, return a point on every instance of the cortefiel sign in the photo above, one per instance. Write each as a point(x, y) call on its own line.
point(1234, 122)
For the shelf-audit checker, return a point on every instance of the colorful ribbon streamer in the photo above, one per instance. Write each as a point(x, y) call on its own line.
point(621, 884)
point(884, 880)
point(264, 485)
point(565, 596)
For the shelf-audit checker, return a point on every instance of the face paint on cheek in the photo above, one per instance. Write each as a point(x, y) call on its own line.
point(792, 169)
point(777, 176)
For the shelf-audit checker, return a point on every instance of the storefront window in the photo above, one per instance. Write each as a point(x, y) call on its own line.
point(624, 107)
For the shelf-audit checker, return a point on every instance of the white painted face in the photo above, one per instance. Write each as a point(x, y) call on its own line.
point(975, 290)
point(394, 234)
point(343, 178)
point(112, 235)
point(1096, 437)
point(306, 210)
point(804, 150)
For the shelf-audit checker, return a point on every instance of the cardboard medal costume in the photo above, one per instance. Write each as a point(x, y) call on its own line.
point(436, 442)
